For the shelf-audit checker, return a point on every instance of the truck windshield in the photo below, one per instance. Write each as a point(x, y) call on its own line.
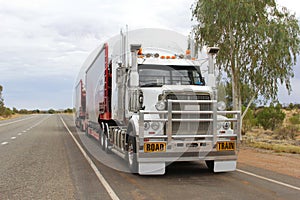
point(159, 75)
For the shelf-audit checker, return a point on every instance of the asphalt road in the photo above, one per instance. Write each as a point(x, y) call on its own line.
point(40, 160)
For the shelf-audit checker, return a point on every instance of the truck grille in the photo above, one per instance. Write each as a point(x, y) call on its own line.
point(190, 128)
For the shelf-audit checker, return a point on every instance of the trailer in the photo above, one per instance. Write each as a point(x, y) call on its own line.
point(80, 106)
point(149, 102)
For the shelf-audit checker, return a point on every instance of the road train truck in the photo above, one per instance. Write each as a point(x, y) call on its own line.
point(80, 106)
point(152, 102)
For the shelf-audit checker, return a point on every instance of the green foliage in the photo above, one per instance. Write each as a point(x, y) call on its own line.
point(246, 95)
point(15, 110)
point(36, 111)
point(68, 110)
point(276, 147)
point(295, 119)
point(258, 40)
point(23, 111)
point(2, 108)
point(7, 112)
point(292, 106)
point(270, 117)
point(51, 111)
point(249, 121)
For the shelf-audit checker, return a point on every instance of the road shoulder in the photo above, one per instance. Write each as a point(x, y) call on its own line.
point(288, 164)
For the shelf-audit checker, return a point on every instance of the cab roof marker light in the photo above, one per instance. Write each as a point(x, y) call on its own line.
point(140, 52)
point(188, 52)
point(162, 57)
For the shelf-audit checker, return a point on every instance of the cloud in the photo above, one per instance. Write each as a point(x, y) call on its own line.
point(43, 44)
point(39, 92)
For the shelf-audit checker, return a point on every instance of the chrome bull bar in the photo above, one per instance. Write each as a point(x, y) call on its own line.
point(168, 117)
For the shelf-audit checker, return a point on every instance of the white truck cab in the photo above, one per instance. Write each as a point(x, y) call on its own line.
point(162, 108)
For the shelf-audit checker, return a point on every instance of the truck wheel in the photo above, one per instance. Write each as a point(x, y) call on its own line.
point(86, 132)
point(210, 164)
point(105, 141)
point(106, 144)
point(131, 155)
point(101, 139)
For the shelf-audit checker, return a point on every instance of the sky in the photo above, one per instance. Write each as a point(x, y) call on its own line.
point(43, 43)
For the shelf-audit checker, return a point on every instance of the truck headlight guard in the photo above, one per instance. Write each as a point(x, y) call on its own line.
point(160, 105)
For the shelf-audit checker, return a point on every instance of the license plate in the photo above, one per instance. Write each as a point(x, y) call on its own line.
point(154, 147)
point(226, 146)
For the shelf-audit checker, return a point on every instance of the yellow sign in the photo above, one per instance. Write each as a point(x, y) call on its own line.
point(226, 146)
point(154, 147)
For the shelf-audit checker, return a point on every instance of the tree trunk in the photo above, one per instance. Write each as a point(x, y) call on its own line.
point(248, 106)
point(236, 93)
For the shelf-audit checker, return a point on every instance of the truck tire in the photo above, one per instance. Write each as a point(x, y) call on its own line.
point(86, 132)
point(81, 127)
point(107, 145)
point(131, 155)
point(101, 139)
point(210, 164)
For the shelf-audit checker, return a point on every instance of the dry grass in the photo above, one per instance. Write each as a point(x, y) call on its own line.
point(278, 148)
point(286, 139)
point(11, 117)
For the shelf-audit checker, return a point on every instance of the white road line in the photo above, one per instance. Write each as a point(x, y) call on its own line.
point(13, 138)
point(268, 179)
point(16, 121)
point(109, 190)
point(19, 133)
point(4, 143)
point(24, 131)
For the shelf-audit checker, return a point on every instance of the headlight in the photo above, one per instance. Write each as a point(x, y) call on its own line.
point(160, 105)
point(226, 125)
point(221, 105)
point(155, 126)
point(146, 126)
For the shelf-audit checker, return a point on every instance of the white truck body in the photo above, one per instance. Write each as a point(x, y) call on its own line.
point(80, 105)
point(153, 106)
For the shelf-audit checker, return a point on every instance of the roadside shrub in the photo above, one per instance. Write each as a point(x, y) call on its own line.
point(23, 111)
point(295, 119)
point(51, 111)
point(270, 117)
point(249, 121)
point(7, 112)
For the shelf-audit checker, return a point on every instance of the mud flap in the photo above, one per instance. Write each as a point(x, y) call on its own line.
point(152, 168)
point(225, 166)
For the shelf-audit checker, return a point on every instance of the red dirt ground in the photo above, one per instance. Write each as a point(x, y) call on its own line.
point(283, 163)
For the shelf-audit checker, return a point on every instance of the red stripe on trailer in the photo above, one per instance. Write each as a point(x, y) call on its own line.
point(93, 133)
point(106, 115)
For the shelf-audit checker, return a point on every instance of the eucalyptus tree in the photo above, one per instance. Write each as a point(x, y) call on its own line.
point(258, 40)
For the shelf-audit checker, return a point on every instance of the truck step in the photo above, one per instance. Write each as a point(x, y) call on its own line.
point(120, 154)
